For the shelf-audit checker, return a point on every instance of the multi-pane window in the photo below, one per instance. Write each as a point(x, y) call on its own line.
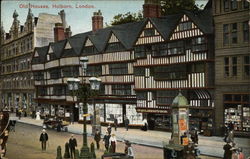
point(226, 5)
point(159, 50)
point(165, 97)
point(185, 26)
point(58, 90)
point(225, 34)
point(118, 68)
point(175, 48)
point(52, 56)
point(121, 89)
point(41, 91)
point(226, 66)
point(94, 70)
point(234, 33)
point(70, 71)
point(55, 73)
point(139, 71)
point(172, 72)
point(245, 4)
point(198, 44)
point(38, 76)
point(141, 95)
point(149, 32)
point(245, 32)
point(112, 47)
point(140, 51)
point(234, 66)
point(196, 67)
point(89, 50)
point(234, 4)
point(246, 65)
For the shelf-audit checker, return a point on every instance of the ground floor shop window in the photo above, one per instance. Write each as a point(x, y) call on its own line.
point(237, 111)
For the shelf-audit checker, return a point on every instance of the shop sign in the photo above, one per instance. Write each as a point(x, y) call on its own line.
point(152, 111)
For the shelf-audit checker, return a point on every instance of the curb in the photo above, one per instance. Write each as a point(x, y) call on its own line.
point(118, 139)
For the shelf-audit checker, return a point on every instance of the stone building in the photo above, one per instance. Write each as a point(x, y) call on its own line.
point(142, 66)
point(232, 64)
point(17, 46)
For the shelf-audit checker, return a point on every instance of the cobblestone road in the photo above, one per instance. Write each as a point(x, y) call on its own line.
point(24, 144)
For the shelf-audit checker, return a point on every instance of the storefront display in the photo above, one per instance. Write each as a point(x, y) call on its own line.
point(237, 111)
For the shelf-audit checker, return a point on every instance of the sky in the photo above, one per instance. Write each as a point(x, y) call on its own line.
point(78, 18)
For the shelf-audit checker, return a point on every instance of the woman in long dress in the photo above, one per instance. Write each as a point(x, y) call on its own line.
point(112, 143)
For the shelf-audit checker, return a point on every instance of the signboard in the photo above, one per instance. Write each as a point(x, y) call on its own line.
point(182, 125)
point(153, 111)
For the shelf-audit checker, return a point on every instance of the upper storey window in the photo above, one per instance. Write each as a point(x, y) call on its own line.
point(89, 50)
point(113, 47)
point(185, 26)
point(149, 32)
point(230, 4)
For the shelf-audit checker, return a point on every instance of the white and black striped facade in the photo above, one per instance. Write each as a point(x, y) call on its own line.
point(142, 66)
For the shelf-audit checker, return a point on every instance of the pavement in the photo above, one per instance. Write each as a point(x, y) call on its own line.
point(209, 146)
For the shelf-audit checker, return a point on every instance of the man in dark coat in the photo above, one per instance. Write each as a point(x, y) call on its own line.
point(106, 140)
point(97, 138)
point(72, 145)
point(126, 122)
point(227, 151)
point(115, 123)
point(43, 139)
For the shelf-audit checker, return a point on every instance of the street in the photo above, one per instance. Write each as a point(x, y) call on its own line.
point(24, 144)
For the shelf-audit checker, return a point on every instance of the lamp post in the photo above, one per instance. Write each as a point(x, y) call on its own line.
point(95, 86)
point(73, 85)
point(84, 95)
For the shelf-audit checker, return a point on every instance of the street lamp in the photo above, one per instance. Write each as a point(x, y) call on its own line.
point(84, 94)
point(95, 86)
point(73, 85)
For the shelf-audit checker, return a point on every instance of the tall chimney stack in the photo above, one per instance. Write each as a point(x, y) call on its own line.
point(97, 21)
point(68, 32)
point(59, 32)
point(151, 9)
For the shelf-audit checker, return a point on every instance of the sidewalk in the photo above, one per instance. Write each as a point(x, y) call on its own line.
point(211, 146)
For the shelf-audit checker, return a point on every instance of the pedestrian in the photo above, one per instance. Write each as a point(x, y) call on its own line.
point(230, 137)
point(230, 126)
point(126, 123)
point(112, 143)
point(115, 123)
point(194, 136)
point(20, 114)
point(71, 118)
point(145, 125)
point(72, 146)
point(129, 150)
point(227, 151)
point(59, 126)
point(43, 139)
point(97, 138)
point(2, 150)
point(241, 155)
point(106, 141)
point(109, 129)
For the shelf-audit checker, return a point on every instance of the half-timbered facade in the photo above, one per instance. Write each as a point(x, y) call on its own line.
point(142, 66)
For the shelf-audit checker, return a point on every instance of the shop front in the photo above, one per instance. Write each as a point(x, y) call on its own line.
point(237, 111)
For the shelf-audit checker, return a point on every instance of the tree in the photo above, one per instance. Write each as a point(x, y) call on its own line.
point(127, 18)
point(167, 7)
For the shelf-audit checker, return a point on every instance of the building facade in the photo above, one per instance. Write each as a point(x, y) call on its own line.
point(232, 54)
point(142, 66)
point(17, 47)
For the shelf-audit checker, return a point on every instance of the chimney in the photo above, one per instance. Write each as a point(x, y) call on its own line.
point(58, 32)
point(151, 9)
point(68, 32)
point(97, 21)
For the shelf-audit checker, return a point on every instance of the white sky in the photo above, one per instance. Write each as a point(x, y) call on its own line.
point(78, 18)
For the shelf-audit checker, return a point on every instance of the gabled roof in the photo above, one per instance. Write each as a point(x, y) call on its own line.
point(166, 25)
point(58, 47)
point(77, 41)
point(203, 19)
point(42, 51)
point(100, 38)
point(128, 33)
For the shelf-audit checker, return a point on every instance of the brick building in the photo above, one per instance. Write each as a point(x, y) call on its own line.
point(17, 46)
point(232, 64)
